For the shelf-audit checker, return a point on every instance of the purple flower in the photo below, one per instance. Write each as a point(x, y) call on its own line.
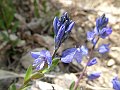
point(92, 62)
point(105, 32)
point(94, 75)
point(103, 48)
point(101, 22)
point(41, 58)
point(116, 83)
point(62, 28)
point(74, 53)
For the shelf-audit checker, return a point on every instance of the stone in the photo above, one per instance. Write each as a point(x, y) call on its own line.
point(65, 80)
point(27, 60)
point(21, 43)
point(115, 53)
point(111, 62)
point(13, 37)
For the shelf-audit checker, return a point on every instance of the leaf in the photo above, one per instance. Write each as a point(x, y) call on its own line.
point(28, 73)
point(37, 75)
point(54, 64)
point(72, 85)
point(12, 87)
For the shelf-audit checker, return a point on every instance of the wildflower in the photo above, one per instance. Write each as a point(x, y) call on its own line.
point(103, 48)
point(74, 53)
point(101, 22)
point(92, 62)
point(62, 28)
point(94, 75)
point(41, 58)
point(105, 32)
point(116, 83)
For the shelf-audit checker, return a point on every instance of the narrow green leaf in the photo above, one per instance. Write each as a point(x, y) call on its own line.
point(12, 87)
point(28, 73)
point(54, 64)
point(72, 85)
point(37, 75)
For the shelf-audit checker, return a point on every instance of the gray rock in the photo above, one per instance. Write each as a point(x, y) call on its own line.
point(13, 37)
point(21, 43)
point(27, 60)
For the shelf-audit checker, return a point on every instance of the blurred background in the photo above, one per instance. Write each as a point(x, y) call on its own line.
point(26, 25)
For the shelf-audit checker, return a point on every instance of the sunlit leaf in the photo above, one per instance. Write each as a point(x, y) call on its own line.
point(12, 87)
point(28, 73)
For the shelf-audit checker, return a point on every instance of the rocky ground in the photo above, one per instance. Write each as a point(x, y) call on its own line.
point(36, 34)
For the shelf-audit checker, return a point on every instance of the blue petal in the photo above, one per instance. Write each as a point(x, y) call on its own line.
point(94, 76)
point(103, 48)
point(37, 61)
point(49, 58)
point(68, 55)
point(70, 27)
point(92, 62)
point(84, 50)
point(105, 32)
point(35, 55)
point(90, 35)
point(55, 25)
point(40, 66)
point(78, 56)
point(116, 83)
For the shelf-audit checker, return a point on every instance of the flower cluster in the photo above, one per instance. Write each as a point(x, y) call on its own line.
point(100, 31)
point(41, 58)
point(62, 28)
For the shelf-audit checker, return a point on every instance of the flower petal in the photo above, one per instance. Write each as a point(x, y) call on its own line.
point(49, 58)
point(55, 22)
point(94, 75)
point(103, 48)
point(37, 61)
point(68, 55)
point(40, 66)
point(78, 56)
point(116, 83)
point(90, 35)
point(84, 50)
point(35, 55)
point(92, 62)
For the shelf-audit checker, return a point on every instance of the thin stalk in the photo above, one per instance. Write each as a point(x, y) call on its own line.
point(84, 70)
point(54, 53)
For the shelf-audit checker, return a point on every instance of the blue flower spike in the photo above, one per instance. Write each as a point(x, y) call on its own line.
point(92, 62)
point(101, 22)
point(94, 76)
point(62, 28)
point(41, 58)
point(116, 83)
point(103, 48)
